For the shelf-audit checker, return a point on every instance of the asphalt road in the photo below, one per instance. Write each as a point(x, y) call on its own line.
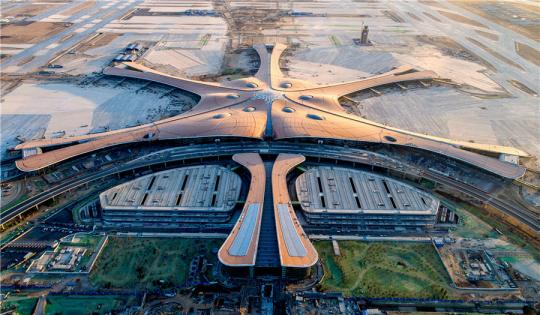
point(85, 27)
point(505, 206)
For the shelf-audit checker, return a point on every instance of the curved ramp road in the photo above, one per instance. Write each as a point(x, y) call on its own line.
point(309, 150)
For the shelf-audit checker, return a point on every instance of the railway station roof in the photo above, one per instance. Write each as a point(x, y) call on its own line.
point(341, 190)
point(198, 188)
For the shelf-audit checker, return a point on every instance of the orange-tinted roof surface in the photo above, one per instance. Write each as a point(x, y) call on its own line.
point(295, 248)
point(221, 111)
point(241, 232)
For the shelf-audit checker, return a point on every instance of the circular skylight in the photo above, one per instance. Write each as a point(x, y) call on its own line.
point(390, 138)
point(314, 117)
point(286, 85)
point(222, 115)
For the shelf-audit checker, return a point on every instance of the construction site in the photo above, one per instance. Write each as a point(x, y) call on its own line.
point(270, 157)
point(216, 47)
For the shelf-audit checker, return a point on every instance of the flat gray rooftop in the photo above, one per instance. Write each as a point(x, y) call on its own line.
point(240, 245)
point(293, 242)
point(207, 187)
point(332, 189)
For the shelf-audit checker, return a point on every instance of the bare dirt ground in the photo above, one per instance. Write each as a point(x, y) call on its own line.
point(506, 14)
point(494, 53)
point(528, 53)
point(461, 19)
point(432, 4)
point(414, 16)
point(489, 35)
point(82, 6)
point(432, 17)
point(27, 10)
point(88, 57)
point(523, 87)
point(246, 24)
point(29, 32)
point(101, 40)
point(450, 47)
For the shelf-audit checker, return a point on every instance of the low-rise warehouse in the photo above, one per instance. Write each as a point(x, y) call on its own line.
point(356, 201)
point(197, 194)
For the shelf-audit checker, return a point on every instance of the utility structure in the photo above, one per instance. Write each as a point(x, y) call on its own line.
point(364, 39)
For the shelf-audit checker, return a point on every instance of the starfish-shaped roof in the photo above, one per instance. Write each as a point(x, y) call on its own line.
point(267, 105)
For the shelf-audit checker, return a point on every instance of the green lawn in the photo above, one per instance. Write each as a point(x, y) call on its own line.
point(21, 304)
point(479, 215)
point(79, 305)
point(141, 262)
point(383, 270)
point(13, 203)
point(472, 227)
point(9, 236)
point(85, 240)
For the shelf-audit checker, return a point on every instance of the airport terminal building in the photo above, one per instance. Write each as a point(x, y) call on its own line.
point(267, 236)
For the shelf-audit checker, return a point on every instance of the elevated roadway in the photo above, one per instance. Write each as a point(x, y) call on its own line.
point(524, 215)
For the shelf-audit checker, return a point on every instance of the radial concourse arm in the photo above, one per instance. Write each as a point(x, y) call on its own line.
point(138, 71)
point(302, 121)
point(400, 74)
point(221, 122)
point(240, 247)
point(295, 249)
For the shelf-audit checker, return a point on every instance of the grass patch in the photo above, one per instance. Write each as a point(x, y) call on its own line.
point(335, 40)
point(427, 184)
point(19, 304)
point(204, 40)
point(13, 203)
point(75, 304)
point(142, 262)
point(11, 235)
point(75, 209)
point(472, 227)
point(367, 269)
point(83, 240)
point(508, 232)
